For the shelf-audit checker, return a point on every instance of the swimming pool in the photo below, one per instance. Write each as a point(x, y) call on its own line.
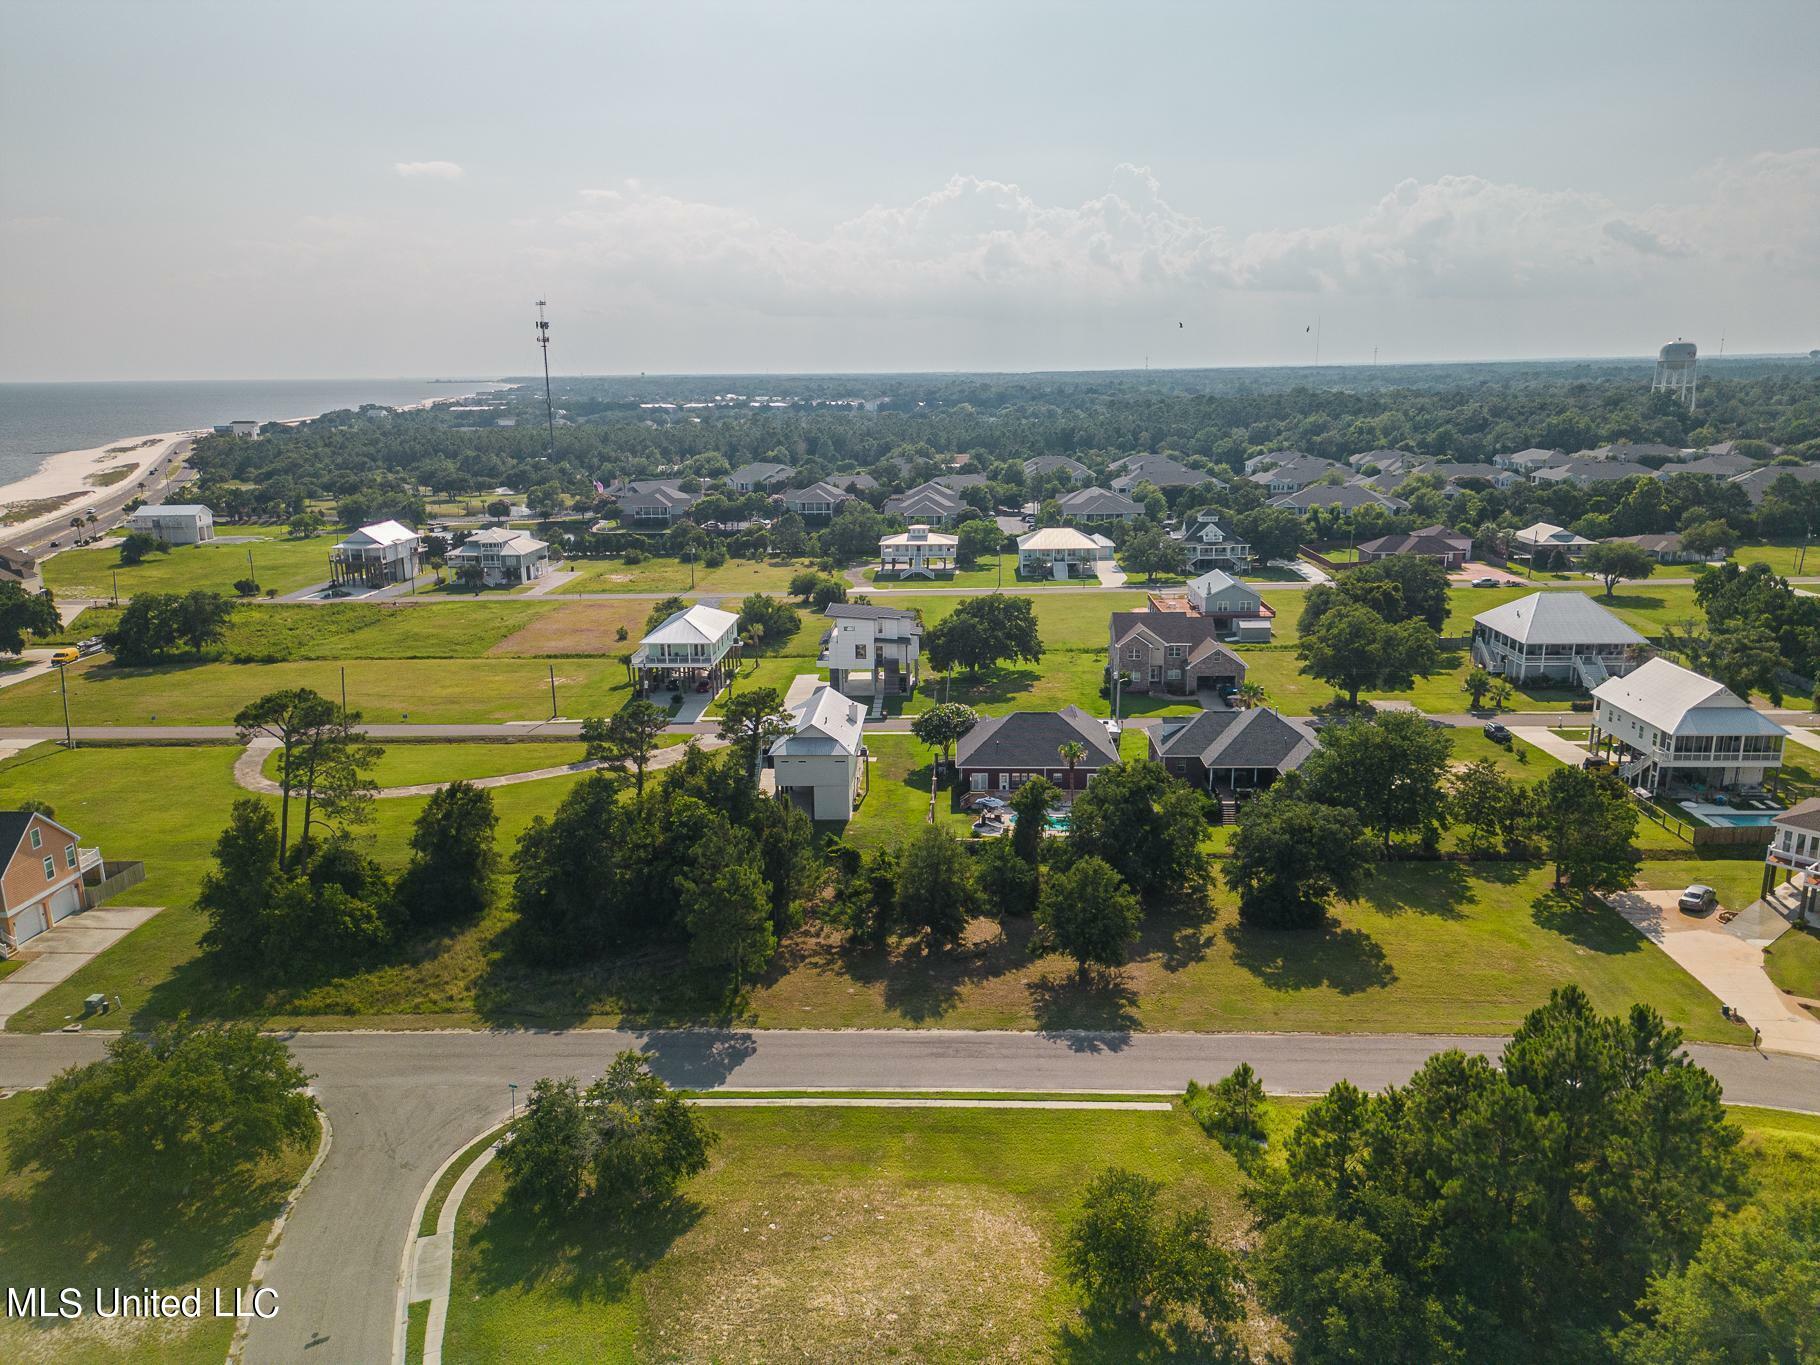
point(1739, 817)
point(1057, 822)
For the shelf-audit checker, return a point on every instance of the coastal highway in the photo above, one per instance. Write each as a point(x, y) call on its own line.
point(34, 542)
point(400, 1103)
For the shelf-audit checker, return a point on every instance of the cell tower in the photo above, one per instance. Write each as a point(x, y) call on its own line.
point(549, 406)
point(1677, 372)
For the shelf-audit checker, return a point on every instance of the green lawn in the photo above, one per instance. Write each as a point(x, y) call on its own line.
point(665, 574)
point(1277, 669)
point(449, 690)
point(897, 801)
point(829, 1234)
point(278, 562)
point(1075, 620)
point(1793, 962)
point(45, 1243)
point(835, 1234)
point(1786, 560)
point(407, 765)
point(1430, 947)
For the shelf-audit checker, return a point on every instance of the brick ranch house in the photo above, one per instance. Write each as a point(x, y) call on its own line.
point(1003, 752)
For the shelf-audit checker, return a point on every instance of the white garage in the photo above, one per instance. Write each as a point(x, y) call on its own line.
point(65, 901)
point(30, 924)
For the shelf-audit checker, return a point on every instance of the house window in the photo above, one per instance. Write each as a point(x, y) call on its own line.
point(50, 868)
point(859, 651)
point(69, 854)
point(37, 837)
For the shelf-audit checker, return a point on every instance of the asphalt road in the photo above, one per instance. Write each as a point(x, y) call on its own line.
point(401, 1103)
point(109, 509)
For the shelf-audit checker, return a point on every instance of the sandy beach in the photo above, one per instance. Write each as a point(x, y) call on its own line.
point(76, 478)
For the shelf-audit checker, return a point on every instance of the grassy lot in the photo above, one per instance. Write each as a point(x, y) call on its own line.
point(1277, 669)
point(278, 562)
point(1793, 962)
point(897, 801)
point(850, 1233)
point(1786, 560)
point(449, 690)
point(1430, 947)
point(407, 765)
point(829, 1234)
point(667, 575)
point(1075, 620)
point(43, 1244)
point(576, 628)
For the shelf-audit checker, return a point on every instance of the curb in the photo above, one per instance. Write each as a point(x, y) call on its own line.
point(238, 1344)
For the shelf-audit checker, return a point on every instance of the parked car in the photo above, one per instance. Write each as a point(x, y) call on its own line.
point(1488, 582)
point(1698, 899)
point(66, 655)
point(1113, 728)
point(1497, 733)
point(92, 645)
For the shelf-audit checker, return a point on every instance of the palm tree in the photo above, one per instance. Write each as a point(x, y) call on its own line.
point(1072, 752)
point(754, 636)
point(1251, 694)
point(1500, 693)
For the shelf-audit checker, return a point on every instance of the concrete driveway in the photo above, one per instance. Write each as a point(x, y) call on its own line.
point(56, 953)
point(1728, 961)
point(1568, 751)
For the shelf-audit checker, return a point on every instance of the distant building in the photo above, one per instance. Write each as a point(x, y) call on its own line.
point(1057, 552)
point(1668, 549)
point(500, 557)
point(374, 556)
point(1097, 505)
point(1758, 482)
point(1295, 471)
point(1173, 652)
point(917, 552)
point(174, 523)
point(1584, 471)
point(240, 426)
point(817, 500)
point(1160, 472)
point(655, 501)
point(1232, 605)
point(1560, 637)
point(1530, 460)
point(1450, 548)
point(1546, 536)
point(761, 474)
point(1041, 466)
point(930, 503)
point(1342, 497)
point(1210, 545)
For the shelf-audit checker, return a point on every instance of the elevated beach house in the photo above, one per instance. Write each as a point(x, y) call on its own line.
point(1670, 729)
point(175, 523)
point(1559, 637)
point(1057, 552)
point(1003, 752)
point(385, 552)
point(1175, 652)
point(870, 650)
point(1794, 854)
point(693, 650)
point(500, 557)
point(1211, 545)
point(821, 764)
point(917, 552)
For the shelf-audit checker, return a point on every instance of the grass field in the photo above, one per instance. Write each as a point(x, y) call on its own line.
point(664, 574)
point(407, 765)
point(1430, 947)
point(829, 1234)
point(383, 690)
point(278, 562)
point(835, 1234)
point(42, 1243)
point(1786, 560)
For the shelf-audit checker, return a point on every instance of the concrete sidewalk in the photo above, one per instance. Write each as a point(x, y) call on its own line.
point(56, 954)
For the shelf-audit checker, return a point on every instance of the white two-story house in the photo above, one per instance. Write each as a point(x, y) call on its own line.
point(1794, 853)
point(385, 552)
point(1673, 730)
point(918, 552)
point(1058, 552)
point(872, 651)
point(500, 556)
point(1211, 545)
point(821, 764)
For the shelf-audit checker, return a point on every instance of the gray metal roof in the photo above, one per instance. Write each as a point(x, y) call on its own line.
point(1562, 617)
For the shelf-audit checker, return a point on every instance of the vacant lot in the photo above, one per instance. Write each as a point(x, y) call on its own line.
point(667, 575)
point(45, 1243)
point(856, 1234)
point(578, 628)
point(829, 1234)
point(277, 562)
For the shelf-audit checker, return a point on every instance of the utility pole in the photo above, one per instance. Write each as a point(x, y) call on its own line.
point(63, 675)
point(344, 696)
point(552, 691)
point(549, 406)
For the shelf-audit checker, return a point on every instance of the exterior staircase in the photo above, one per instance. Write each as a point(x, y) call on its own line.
point(1229, 809)
point(1631, 769)
point(1592, 671)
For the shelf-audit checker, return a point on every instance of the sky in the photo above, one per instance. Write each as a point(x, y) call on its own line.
point(308, 190)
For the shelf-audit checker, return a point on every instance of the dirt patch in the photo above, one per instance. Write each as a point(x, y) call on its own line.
point(861, 1272)
point(13, 513)
point(106, 478)
point(579, 628)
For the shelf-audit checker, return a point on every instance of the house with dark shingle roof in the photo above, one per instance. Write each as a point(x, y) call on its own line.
point(759, 474)
point(1039, 466)
point(1296, 471)
point(1758, 482)
point(1232, 750)
point(1098, 504)
point(929, 503)
point(817, 500)
point(1451, 548)
point(1003, 752)
point(1345, 497)
point(1173, 652)
point(1161, 472)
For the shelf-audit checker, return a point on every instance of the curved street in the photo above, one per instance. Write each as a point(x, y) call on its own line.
point(401, 1103)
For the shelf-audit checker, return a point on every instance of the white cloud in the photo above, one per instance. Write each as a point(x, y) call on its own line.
point(428, 170)
point(984, 248)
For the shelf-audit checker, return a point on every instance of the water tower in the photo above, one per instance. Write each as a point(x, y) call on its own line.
point(1677, 371)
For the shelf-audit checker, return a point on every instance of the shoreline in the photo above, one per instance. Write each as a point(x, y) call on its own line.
point(65, 475)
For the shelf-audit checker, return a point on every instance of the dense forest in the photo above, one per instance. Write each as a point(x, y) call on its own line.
point(906, 428)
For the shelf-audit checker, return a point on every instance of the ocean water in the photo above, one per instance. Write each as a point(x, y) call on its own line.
point(37, 420)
